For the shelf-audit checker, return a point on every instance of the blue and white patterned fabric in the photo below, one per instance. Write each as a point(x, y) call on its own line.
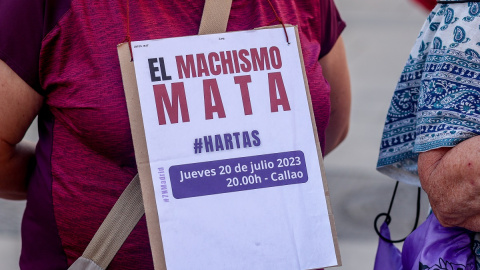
point(476, 249)
point(437, 100)
point(458, 1)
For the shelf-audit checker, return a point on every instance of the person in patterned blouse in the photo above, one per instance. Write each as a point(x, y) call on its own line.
point(430, 134)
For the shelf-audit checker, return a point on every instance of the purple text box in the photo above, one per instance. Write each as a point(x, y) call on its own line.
point(237, 174)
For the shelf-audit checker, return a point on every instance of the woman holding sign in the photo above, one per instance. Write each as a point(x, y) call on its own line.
point(59, 62)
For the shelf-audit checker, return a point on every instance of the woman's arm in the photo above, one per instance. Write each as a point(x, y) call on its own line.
point(335, 70)
point(19, 104)
point(451, 178)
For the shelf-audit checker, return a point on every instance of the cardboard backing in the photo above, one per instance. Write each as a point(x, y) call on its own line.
point(141, 154)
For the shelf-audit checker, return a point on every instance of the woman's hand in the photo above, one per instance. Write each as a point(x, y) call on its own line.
point(19, 104)
point(451, 178)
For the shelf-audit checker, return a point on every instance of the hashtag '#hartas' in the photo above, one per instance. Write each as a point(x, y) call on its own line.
point(198, 145)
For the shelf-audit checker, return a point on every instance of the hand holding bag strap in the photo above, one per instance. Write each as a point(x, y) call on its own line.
point(128, 209)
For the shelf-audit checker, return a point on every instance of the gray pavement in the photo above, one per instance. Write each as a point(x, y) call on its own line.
point(378, 39)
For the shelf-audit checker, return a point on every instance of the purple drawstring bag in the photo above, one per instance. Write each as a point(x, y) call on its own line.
point(388, 255)
point(429, 247)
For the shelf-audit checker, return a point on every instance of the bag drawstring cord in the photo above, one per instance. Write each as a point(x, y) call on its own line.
point(388, 218)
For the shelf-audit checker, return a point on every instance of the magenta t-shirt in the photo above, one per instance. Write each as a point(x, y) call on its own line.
point(66, 50)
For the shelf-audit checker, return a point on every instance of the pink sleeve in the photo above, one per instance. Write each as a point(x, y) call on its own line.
point(23, 24)
point(331, 25)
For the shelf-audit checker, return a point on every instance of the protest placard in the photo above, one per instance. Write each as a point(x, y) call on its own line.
point(227, 152)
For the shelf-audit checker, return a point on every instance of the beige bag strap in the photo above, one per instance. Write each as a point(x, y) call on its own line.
point(215, 16)
point(115, 229)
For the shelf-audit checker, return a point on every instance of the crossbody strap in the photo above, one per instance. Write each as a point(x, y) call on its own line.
point(128, 209)
point(121, 220)
point(115, 229)
point(215, 16)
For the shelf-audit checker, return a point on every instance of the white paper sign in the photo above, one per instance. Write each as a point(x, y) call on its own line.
point(232, 152)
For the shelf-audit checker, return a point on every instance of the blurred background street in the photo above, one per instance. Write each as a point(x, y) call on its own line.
point(378, 38)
